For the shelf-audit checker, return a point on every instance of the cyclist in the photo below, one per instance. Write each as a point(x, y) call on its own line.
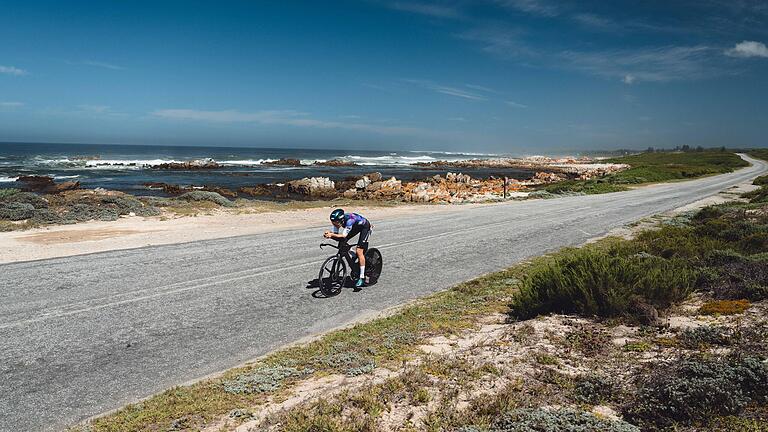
point(346, 226)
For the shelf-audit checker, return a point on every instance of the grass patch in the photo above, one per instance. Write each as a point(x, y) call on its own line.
point(636, 347)
point(654, 167)
point(546, 359)
point(587, 187)
point(665, 166)
point(759, 154)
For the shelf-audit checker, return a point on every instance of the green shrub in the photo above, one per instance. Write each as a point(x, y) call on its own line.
point(7, 192)
point(674, 242)
point(757, 195)
point(593, 282)
point(703, 337)
point(695, 390)
point(737, 277)
point(760, 181)
point(756, 242)
point(350, 363)
point(48, 217)
point(16, 211)
point(594, 389)
point(709, 212)
point(557, 420)
point(263, 379)
point(588, 340)
point(30, 198)
point(70, 208)
point(206, 196)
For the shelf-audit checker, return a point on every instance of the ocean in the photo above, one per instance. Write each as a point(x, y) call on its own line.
point(126, 167)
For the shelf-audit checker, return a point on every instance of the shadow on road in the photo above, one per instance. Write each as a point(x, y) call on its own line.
point(315, 285)
point(317, 293)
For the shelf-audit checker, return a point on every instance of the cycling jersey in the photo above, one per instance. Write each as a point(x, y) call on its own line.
point(353, 225)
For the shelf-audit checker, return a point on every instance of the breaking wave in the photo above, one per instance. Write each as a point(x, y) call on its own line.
point(393, 159)
point(245, 162)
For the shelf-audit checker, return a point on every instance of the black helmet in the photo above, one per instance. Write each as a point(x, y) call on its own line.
point(337, 215)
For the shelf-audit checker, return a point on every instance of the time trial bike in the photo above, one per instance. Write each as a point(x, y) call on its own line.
point(343, 266)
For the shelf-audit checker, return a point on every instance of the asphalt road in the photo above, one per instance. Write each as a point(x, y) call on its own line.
point(86, 334)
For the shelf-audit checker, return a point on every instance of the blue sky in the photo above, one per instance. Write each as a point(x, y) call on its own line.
point(483, 75)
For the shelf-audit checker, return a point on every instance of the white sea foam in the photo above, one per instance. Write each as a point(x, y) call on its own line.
point(126, 163)
point(104, 163)
point(454, 153)
point(392, 159)
point(7, 179)
point(245, 162)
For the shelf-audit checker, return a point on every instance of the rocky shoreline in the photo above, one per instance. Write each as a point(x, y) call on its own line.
point(42, 200)
point(451, 188)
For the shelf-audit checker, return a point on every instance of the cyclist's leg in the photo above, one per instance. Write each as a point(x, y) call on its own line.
point(362, 247)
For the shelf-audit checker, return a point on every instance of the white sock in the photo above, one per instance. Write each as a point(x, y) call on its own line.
point(362, 272)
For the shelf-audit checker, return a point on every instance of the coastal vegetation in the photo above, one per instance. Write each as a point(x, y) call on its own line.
point(663, 331)
point(654, 167)
point(20, 210)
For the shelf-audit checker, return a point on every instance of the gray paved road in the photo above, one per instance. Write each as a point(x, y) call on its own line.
point(86, 334)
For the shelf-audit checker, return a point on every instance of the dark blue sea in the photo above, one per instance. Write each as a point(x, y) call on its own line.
point(127, 167)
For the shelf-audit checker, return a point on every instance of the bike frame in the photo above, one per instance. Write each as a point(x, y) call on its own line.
point(344, 250)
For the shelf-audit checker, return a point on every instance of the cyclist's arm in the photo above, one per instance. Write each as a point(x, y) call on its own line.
point(339, 234)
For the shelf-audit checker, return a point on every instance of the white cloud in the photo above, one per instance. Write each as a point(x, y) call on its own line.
point(429, 9)
point(515, 104)
point(287, 118)
point(94, 109)
point(481, 88)
point(498, 40)
point(102, 65)
point(595, 22)
point(446, 90)
point(452, 91)
point(11, 104)
point(534, 7)
point(10, 70)
point(748, 49)
point(671, 63)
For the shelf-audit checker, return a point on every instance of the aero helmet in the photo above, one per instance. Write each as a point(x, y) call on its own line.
point(337, 215)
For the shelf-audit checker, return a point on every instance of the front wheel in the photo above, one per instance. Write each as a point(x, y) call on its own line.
point(373, 265)
point(332, 276)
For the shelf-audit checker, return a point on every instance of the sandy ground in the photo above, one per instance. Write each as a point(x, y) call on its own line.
point(133, 232)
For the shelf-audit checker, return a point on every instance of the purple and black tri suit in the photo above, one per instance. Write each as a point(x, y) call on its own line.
point(353, 225)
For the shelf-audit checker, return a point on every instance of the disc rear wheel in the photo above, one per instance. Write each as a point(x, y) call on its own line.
point(373, 265)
